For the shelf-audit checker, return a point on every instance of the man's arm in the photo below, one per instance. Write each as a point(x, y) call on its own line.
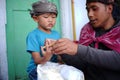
point(101, 58)
point(74, 60)
point(86, 54)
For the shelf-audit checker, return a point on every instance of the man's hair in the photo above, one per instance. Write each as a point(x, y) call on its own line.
point(115, 3)
point(102, 1)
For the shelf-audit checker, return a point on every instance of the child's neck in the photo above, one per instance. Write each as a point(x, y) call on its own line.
point(45, 30)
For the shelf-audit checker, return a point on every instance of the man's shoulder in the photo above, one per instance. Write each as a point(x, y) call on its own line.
point(87, 24)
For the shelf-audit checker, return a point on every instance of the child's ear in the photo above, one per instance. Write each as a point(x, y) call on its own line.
point(35, 18)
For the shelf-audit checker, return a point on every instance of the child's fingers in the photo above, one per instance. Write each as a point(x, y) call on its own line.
point(43, 50)
point(48, 41)
point(48, 49)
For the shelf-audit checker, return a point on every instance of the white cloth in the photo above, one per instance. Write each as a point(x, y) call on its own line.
point(55, 71)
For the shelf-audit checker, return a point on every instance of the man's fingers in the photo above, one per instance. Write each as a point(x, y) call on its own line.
point(59, 44)
point(59, 48)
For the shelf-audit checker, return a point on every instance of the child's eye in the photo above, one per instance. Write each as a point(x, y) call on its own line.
point(53, 16)
point(45, 17)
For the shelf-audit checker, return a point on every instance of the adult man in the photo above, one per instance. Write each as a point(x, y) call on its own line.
point(98, 51)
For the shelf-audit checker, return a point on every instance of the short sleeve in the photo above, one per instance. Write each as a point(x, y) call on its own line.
point(32, 43)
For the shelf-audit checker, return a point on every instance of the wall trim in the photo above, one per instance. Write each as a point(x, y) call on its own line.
point(3, 52)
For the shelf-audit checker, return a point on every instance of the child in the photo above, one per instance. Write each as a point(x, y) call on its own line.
point(44, 13)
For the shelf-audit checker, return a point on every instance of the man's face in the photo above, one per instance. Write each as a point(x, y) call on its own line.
point(98, 14)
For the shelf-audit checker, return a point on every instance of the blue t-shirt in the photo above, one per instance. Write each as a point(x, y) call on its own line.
point(35, 40)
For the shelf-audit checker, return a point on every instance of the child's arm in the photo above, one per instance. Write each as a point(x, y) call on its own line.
point(38, 59)
point(46, 51)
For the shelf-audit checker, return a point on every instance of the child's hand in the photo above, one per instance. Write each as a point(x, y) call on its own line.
point(46, 50)
point(51, 42)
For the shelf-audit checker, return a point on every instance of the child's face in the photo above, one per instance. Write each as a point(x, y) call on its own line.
point(46, 21)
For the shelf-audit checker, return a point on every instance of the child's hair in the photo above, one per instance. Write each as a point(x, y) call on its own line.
point(41, 7)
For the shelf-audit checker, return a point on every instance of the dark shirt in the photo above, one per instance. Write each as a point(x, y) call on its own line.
point(96, 64)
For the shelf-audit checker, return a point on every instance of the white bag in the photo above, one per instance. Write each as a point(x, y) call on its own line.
point(55, 71)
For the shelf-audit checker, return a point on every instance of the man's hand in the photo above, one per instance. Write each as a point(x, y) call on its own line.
point(64, 45)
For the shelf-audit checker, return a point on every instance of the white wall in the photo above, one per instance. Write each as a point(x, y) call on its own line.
point(3, 53)
point(80, 15)
point(66, 19)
